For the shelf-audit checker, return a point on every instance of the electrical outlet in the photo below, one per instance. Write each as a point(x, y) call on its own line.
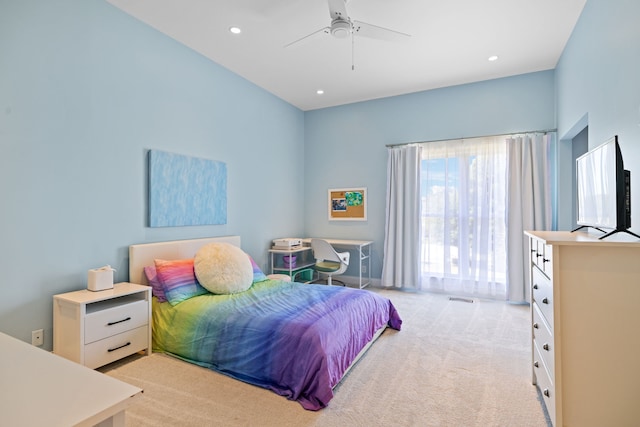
point(37, 337)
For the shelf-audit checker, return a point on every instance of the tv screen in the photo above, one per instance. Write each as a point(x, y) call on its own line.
point(597, 187)
point(604, 190)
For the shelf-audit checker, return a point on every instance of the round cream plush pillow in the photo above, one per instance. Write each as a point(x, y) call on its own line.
point(222, 268)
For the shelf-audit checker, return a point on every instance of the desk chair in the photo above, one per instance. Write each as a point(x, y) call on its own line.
point(328, 262)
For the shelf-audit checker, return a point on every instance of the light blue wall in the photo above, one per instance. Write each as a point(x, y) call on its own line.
point(85, 92)
point(345, 146)
point(598, 84)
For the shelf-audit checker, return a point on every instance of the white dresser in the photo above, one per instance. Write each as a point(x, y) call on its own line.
point(585, 317)
point(97, 328)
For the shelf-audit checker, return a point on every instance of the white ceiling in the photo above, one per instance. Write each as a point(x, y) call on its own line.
point(450, 42)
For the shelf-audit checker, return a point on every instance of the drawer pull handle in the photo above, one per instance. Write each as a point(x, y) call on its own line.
point(118, 321)
point(536, 364)
point(538, 255)
point(546, 347)
point(119, 347)
point(545, 260)
point(535, 326)
point(535, 286)
point(546, 392)
point(545, 301)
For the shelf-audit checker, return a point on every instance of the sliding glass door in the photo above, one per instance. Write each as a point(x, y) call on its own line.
point(463, 214)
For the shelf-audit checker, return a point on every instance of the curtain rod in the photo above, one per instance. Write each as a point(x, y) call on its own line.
point(471, 137)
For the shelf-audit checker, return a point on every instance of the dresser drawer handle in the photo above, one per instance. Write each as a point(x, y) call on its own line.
point(546, 392)
point(535, 326)
point(118, 321)
point(545, 300)
point(119, 347)
point(538, 255)
point(546, 347)
point(535, 286)
point(536, 364)
point(545, 260)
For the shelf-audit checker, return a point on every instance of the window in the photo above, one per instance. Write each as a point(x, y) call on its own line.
point(463, 214)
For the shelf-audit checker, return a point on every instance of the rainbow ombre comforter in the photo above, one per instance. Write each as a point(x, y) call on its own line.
point(297, 340)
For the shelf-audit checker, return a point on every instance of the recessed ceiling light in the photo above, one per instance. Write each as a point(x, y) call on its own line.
point(493, 58)
point(235, 30)
point(319, 91)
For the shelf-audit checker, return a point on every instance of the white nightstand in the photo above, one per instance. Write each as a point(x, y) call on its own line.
point(97, 328)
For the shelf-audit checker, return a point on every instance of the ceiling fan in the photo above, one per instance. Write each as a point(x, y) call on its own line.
point(342, 26)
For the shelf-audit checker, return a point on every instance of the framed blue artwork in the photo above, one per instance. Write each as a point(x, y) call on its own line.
point(186, 190)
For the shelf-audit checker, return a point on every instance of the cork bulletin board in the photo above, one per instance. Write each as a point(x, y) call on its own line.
point(348, 204)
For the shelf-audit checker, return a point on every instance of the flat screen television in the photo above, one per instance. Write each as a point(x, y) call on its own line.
point(604, 190)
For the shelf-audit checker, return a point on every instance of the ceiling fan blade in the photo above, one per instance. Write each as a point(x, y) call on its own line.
point(325, 30)
point(338, 9)
point(375, 32)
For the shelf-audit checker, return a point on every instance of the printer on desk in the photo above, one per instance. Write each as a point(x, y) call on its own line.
point(287, 243)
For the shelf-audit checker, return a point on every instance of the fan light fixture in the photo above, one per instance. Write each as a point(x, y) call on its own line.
point(493, 58)
point(319, 91)
point(340, 28)
point(235, 30)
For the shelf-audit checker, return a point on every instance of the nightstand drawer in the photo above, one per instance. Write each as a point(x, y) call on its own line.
point(115, 347)
point(114, 320)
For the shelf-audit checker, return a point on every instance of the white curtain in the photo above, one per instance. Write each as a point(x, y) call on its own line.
point(529, 204)
point(464, 217)
point(457, 210)
point(401, 265)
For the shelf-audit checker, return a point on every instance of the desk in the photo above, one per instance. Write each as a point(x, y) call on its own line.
point(42, 389)
point(363, 249)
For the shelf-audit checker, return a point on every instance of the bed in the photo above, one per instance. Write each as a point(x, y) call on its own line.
point(298, 340)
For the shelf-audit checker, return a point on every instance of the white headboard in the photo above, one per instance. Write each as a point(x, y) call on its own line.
point(143, 255)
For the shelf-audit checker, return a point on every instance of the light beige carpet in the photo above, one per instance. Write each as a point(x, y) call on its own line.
point(453, 364)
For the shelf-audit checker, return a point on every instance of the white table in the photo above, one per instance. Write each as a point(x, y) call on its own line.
point(43, 389)
point(363, 249)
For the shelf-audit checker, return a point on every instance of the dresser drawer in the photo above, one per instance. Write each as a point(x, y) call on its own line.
point(538, 252)
point(115, 319)
point(543, 338)
point(545, 384)
point(545, 261)
point(542, 293)
point(541, 255)
point(116, 347)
